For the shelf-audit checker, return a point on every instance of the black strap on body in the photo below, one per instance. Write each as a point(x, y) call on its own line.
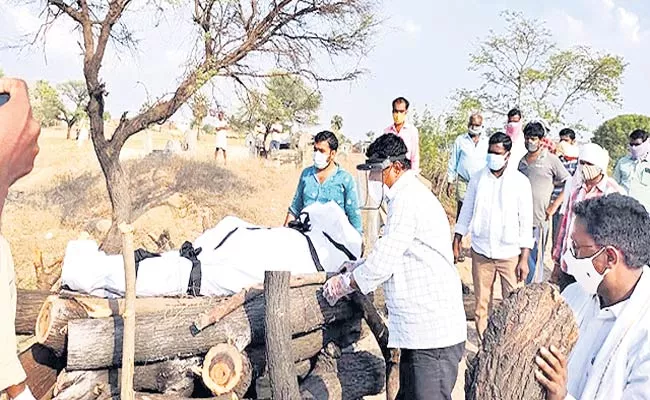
point(302, 225)
point(142, 254)
point(188, 251)
point(340, 247)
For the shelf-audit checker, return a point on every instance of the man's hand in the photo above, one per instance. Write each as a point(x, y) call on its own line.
point(555, 275)
point(337, 287)
point(522, 270)
point(457, 248)
point(19, 133)
point(550, 211)
point(450, 189)
point(552, 373)
point(349, 266)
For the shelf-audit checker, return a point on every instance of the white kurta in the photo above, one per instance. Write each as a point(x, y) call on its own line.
point(611, 359)
point(222, 139)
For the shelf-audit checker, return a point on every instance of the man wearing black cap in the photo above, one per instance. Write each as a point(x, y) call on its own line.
point(414, 262)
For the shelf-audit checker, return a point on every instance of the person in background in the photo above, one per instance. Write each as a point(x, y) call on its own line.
point(498, 211)
point(221, 130)
point(413, 261)
point(408, 132)
point(19, 135)
point(632, 171)
point(326, 181)
point(515, 130)
point(568, 153)
point(543, 170)
point(276, 135)
point(590, 181)
point(609, 258)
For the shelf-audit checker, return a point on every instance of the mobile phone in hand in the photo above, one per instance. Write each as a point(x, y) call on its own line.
point(4, 97)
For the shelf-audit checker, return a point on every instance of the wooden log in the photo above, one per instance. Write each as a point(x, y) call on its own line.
point(161, 335)
point(168, 377)
point(226, 370)
point(28, 305)
point(530, 318)
point(128, 316)
point(279, 360)
point(263, 383)
point(52, 323)
point(41, 367)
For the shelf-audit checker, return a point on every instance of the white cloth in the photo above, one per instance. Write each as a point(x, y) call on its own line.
point(611, 359)
point(499, 212)
point(227, 265)
point(414, 261)
point(222, 137)
point(276, 132)
point(517, 152)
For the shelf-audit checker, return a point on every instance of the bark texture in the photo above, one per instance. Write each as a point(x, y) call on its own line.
point(41, 367)
point(532, 317)
point(28, 305)
point(52, 326)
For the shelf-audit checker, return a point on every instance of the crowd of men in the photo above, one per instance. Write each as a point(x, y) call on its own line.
point(513, 189)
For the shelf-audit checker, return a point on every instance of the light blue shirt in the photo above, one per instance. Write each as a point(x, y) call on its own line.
point(634, 176)
point(338, 187)
point(467, 157)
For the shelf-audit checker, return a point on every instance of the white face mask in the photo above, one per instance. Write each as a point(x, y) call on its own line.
point(584, 271)
point(475, 130)
point(496, 161)
point(320, 160)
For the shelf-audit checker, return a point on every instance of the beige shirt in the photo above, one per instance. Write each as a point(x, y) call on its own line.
point(11, 371)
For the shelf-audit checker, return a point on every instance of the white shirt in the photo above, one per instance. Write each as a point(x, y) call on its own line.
point(414, 262)
point(222, 140)
point(499, 212)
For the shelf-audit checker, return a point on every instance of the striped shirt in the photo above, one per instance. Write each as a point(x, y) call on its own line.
point(414, 262)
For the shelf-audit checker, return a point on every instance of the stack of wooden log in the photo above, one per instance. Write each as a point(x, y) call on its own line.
point(223, 356)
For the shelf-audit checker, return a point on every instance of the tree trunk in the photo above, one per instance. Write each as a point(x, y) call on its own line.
point(128, 316)
point(164, 334)
point(168, 377)
point(279, 360)
point(28, 305)
point(117, 184)
point(532, 317)
point(41, 367)
point(52, 326)
point(226, 370)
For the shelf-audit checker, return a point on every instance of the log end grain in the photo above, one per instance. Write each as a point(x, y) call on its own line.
point(226, 370)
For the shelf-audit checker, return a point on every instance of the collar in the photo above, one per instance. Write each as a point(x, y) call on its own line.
point(612, 312)
point(314, 171)
point(403, 181)
point(601, 186)
point(542, 155)
point(481, 137)
point(392, 129)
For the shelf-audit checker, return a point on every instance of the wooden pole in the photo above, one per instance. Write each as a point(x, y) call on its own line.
point(284, 384)
point(128, 344)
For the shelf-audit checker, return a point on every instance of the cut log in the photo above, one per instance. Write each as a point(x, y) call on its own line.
point(279, 360)
point(226, 370)
point(41, 367)
point(162, 335)
point(263, 383)
point(168, 377)
point(52, 326)
point(28, 305)
point(530, 318)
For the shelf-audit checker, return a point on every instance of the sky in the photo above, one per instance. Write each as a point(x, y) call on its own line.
point(421, 52)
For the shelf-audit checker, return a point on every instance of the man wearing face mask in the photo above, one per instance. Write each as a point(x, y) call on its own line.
point(543, 170)
point(408, 132)
point(632, 172)
point(515, 130)
point(609, 258)
point(467, 157)
point(498, 210)
point(414, 262)
point(590, 181)
point(326, 181)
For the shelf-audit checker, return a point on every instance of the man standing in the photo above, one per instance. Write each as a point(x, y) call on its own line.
point(221, 130)
point(414, 262)
point(276, 135)
point(468, 154)
point(632, 172)
point(609, 258)
point(18, 134)
point(515, 130)
point(498, 209)
point(408, 132)
point(543, 170)
point(590, 181)
point(567, 151)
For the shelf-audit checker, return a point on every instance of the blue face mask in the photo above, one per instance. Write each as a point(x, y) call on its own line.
point(496, 161)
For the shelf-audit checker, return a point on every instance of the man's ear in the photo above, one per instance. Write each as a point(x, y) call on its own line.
point(613, 256)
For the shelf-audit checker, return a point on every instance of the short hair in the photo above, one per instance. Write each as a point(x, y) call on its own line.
point(500, 137)
point(535, 129)
point(514, 112)
point(618, 221)
point(473, 117)
point(568, 132)
point(401, 100)
point(329, 137)
point(639, 134)
point(389, 145)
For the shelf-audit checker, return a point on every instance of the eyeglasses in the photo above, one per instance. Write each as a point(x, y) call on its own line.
point(574, 249)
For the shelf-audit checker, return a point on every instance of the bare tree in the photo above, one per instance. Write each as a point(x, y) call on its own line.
point(295, 35)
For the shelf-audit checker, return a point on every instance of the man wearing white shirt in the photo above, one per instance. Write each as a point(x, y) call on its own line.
point(221, 130)
point(413, 261)
point(609, 259)
point(408, 132)
point(498, 210)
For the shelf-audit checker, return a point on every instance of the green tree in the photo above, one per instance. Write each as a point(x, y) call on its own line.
point(524, 67)
point(199, 104)
point(106, 116)
point(370, 135)
point(46, 103)
point(614, 134)
point(336, 123)
point(74, 100)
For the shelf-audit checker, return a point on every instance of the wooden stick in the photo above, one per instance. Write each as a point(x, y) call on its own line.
point(128, 344)
point(237, 300)
point(279, 361)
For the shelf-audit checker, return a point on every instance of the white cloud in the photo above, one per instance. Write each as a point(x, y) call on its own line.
point(629, 24)
point(411, 27)
point(609, 4)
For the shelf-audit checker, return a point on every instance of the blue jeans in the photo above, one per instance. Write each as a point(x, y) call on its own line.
point(536, 257)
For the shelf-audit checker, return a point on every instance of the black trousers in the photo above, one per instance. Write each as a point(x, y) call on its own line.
point(429, 374)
